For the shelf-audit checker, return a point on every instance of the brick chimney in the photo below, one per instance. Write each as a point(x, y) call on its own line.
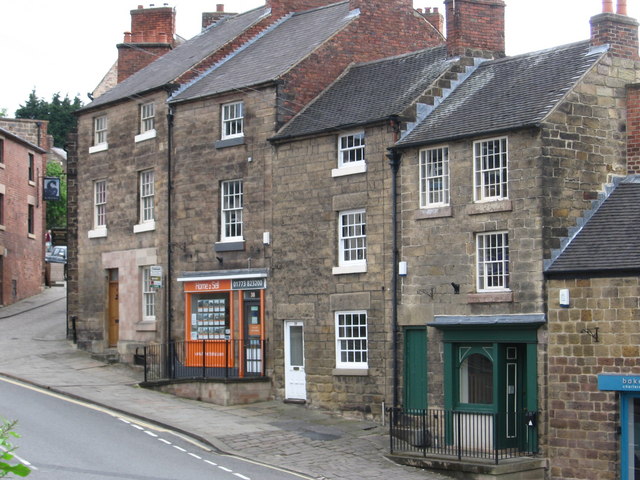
point(475, 25)
point(152, 35)
point(209, 18)
point(617, 30)
point(434, 17)
point(280, 8)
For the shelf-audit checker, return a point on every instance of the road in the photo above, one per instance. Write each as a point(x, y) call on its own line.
point(65, 439)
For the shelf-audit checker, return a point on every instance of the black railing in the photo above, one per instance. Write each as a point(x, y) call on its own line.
point(201, 359)
point(450, 433)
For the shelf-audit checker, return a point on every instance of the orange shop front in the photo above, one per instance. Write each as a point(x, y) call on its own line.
point(224, 320)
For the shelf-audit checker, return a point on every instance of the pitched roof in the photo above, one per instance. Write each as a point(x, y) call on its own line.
point(173, 64)
point(610, 239)
point(271, 54)
point(370, 92)
point(508, 93)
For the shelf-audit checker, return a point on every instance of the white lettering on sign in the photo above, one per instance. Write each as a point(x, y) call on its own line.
point(208, 286)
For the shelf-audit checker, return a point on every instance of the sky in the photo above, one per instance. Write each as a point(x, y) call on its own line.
point(67, 46)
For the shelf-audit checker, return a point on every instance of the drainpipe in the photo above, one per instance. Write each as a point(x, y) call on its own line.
point(395, 158)
point(169, 216)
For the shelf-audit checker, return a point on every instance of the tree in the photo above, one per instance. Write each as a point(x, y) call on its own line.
point(59, 113)
point(7, 463)
point(3, 112)
point(57, 210)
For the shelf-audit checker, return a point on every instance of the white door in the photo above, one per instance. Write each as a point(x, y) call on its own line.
point(295, 384)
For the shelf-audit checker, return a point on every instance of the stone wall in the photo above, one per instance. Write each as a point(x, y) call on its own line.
point(119, 165)
point(583, 441)
point(307, 200)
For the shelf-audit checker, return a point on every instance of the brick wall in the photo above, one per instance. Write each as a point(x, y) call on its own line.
point(383, 29)
point(633, 129)
point(476, 25)
point(22, 253)
point(583, 441)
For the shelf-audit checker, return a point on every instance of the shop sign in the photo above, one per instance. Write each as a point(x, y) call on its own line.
point(249, 284)
point(628, 383)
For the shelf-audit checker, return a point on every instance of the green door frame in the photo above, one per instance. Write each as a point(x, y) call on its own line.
point(498, 336)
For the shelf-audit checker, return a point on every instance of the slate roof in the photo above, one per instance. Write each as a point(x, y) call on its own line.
point(369, 92)
point(610, 239)
point(508, 93)
point(173, 64)
point(272, 54)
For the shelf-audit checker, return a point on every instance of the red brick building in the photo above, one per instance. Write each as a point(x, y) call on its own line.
point(22, 210)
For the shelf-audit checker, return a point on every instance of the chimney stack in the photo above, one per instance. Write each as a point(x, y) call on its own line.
point(475, 25)
point(209, 18)
point(617, 30)
point(280, 8)
point(435, 18)
point(152, 35)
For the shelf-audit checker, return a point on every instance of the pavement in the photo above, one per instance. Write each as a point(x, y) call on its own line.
point(316, 443)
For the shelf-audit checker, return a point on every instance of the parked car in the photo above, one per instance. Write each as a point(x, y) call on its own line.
point(57, 255)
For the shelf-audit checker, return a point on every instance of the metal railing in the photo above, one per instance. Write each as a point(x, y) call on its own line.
point(458, 434)
point(202, 359)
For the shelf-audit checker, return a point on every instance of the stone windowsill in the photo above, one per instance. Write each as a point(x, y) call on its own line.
point(490, 297)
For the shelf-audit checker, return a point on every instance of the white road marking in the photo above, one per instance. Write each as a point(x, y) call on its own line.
point(194, 455)
point(225, 469)
point(179, 448)
point(242, 476)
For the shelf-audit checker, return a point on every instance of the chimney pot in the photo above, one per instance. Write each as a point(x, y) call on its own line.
point(435, 10)
point(622, 7)
point(607, 6)
point(220, 7)
point(427, 10)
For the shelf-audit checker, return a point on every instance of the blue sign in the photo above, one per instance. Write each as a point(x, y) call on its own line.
point(619, 383)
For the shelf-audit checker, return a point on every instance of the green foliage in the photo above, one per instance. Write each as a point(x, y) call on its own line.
point(59, 113)
point(3, 112)
point(57, 210)
point(8, 464)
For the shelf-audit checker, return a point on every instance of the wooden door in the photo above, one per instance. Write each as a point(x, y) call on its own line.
point(114, 309)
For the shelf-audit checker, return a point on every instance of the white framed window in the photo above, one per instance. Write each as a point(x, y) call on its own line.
point(492, 257)
point(350, 149)
point(232, 120)
point(351, 340)
point(434, 177)
point(147, 122)
point(490, 169)
point(352, 236)
point(100, 130)
point(148, 296)
point(232, 205)
point(147, 193)
point(100, 204)
point(147, 117)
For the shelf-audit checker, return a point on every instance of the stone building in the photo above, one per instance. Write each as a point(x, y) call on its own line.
point(173, 170)
point(23, 158)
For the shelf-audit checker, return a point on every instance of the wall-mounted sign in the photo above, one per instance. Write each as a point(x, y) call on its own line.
point(51, 189)
point(618, 383)
point(155, 276)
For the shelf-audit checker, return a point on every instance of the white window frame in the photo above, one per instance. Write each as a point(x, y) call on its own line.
point(352, 349)
point(146, 192)
point(351, 154)
point(232, 120)
point(492, 262)
point(147, 122)
point(99, 209)
point(490, 169)
point(434, 177)
point(352, 242)
point(148, 296)
point(231, 206)
point(100, 131)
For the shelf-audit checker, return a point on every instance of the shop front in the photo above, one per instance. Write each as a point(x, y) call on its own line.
point(628, 388)
point(224, 321)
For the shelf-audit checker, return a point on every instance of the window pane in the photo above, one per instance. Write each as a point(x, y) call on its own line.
point(353, 237)
point(476, 380)
point(351, 339)
point(232, 120)
point(434, 177)
point(493, 261)
point(490, 169)
point(232, 206)
point(351, 149)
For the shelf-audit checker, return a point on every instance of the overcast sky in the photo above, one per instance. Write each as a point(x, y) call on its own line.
point(67, 46)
